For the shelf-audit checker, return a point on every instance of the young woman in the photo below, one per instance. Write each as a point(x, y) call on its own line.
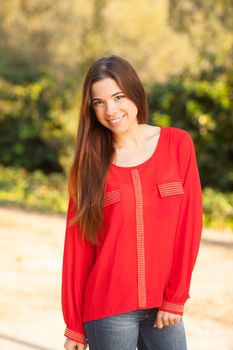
point(134, 220)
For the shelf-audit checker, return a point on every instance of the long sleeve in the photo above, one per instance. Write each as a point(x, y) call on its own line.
point(188, 232)
point(78, 259)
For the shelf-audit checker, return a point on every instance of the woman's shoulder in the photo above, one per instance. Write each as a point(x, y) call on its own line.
point(171, 129)
point(178, 134)
point(151, 129)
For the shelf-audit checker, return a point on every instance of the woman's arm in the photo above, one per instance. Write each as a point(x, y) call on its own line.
point(78, 259)
point(188, 233)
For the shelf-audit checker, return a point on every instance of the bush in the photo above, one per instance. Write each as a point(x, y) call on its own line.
point(202, 105)
point(32, 130)
point(33, 190)
point(218, 209)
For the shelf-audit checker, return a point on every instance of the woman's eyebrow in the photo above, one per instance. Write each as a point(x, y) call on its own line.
point(116, 93)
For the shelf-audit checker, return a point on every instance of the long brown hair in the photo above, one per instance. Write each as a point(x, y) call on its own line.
point(94, 151)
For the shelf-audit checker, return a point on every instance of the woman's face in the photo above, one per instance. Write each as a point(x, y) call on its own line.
point(112, 108)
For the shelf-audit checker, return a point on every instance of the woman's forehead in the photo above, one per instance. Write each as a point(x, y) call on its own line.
point(105, 88)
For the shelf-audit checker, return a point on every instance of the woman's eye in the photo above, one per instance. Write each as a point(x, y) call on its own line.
point(97, 103)
point(119, 97)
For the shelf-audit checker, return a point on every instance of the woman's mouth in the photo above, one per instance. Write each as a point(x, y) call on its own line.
point(116, 120)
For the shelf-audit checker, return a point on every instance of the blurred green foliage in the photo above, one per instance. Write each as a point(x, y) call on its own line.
point(209, 26)
point(46, 193)
point(32, 129)
point(203, 105)
point(218, 209)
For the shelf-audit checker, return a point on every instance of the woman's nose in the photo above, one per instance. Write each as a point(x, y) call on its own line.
point(110, 108)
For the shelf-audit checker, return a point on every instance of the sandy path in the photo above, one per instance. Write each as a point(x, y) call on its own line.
point(30, 280)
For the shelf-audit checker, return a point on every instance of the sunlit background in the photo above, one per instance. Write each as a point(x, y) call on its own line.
point(182, 51)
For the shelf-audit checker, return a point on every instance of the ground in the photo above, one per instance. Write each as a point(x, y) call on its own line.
point(31, 262)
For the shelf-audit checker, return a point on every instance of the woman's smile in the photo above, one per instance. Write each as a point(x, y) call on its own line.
point(116, 121)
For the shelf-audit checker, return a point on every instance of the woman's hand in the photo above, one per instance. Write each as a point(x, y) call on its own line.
point(73, 345)
point(165, 319)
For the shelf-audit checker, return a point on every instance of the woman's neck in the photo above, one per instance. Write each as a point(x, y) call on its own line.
point(130, 140)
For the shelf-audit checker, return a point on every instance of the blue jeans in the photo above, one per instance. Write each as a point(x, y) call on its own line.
point(132, 330)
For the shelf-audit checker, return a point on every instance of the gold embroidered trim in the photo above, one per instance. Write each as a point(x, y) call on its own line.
point(75, 336)
point(140, 238)
point(171, 188)
point(111, 197)
point(172, 306)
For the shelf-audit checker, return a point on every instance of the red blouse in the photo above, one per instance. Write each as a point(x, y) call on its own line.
point(153, 224)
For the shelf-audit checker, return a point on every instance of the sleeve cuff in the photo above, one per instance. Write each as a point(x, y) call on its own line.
point(76, 336)
point(172, 307)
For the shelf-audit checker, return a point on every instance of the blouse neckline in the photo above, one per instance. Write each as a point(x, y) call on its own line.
point(148, 160)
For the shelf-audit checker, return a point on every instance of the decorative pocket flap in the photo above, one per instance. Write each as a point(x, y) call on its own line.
point(170, 188)
point(111, 197)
